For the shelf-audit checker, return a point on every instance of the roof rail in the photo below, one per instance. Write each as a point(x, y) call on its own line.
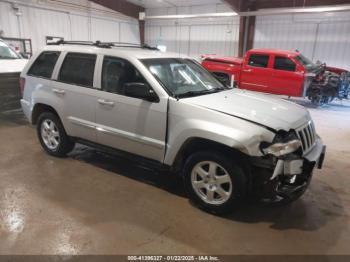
point(103, 44)
point(97, 43)
point(125, 44)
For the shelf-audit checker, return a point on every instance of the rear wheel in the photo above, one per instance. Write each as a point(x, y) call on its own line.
point(213, 182)
point(52, 135)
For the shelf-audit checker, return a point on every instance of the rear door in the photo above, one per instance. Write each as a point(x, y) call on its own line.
point(38, 82)
point(285, 79)
point(74, 89)
point(127, 123)
point(256, 73)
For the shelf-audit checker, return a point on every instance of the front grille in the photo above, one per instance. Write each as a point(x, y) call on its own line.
point(307, 136)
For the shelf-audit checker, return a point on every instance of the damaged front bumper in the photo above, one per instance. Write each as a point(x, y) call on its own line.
point(294, 165)
point(288, 175)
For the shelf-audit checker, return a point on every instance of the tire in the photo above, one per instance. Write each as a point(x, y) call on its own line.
point(226, 170)
point(50, 129)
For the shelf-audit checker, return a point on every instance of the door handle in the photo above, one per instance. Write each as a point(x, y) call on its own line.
point(59, 91)
point(106, 103)
point(247, 70)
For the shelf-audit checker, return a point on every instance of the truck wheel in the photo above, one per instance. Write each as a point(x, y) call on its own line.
point(213, 182)
point(52, 135)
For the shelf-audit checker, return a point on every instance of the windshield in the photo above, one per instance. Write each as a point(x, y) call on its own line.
point(305, 61)
point(6, 52)
point(183, 77)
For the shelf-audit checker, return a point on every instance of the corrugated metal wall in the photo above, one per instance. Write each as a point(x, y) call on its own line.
point(73, 20)
point(194, 37)
point(324, 37)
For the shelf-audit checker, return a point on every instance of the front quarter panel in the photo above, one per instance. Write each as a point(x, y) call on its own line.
point(187, 121)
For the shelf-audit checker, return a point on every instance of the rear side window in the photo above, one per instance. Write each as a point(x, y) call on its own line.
point(258, 60)
point(44, 64)
point(284, 63)
point(78, 69)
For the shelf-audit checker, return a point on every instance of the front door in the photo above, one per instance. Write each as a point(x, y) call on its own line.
point(256, 74)
point(127, 123)
point(285, 79)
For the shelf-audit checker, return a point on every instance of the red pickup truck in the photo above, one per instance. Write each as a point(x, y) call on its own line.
point(281, 72)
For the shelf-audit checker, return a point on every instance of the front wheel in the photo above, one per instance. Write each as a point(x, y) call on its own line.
point(214, 182)
point(52, 135)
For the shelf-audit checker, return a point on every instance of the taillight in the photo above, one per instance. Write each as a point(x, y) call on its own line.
point(22, 83)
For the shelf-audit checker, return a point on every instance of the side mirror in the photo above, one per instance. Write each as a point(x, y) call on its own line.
point(140, 90)
point(24, 55)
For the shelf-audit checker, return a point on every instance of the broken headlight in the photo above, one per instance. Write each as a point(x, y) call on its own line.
point(281, 149)
point(283, 144)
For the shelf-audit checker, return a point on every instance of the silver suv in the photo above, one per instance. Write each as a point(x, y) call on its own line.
point(168, 111)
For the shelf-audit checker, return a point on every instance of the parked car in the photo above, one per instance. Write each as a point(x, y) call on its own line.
point(171, 113)
point(11, 65)
point(281, 72)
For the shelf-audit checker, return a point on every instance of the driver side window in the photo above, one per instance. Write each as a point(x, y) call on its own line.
point(117, 73)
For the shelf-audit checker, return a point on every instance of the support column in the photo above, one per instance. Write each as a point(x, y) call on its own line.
point(142, 31)
point(246, 34)
point(241, 36)
point(251, 32)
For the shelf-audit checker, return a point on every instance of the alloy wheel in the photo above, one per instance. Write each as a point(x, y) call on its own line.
point(211, 182)
point(50, 134)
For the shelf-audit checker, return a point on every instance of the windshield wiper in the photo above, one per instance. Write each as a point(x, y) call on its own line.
point(198, 93)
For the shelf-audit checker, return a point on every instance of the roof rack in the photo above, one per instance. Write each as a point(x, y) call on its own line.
point(131, 45)
point(103, 44)
point(90, 43)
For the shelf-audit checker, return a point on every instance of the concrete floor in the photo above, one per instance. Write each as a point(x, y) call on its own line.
point(92, 203)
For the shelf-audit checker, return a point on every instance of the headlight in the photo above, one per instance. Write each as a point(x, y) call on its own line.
point(280, 149)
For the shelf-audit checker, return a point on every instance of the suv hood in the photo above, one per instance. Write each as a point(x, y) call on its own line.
point(12, 65)
point(265, 110)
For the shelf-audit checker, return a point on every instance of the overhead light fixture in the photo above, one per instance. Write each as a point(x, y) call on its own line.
point(271, 11)
point(296, 10)
point(226, 14)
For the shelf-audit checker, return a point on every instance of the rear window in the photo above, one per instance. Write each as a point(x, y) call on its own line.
point(258, 60)
point(6, 52)
point(284, 63)
point(223, 78)
point(44, 64)
point(78, 69)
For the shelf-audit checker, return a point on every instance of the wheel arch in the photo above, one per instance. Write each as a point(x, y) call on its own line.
point(40, 108)
point(197, 144)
